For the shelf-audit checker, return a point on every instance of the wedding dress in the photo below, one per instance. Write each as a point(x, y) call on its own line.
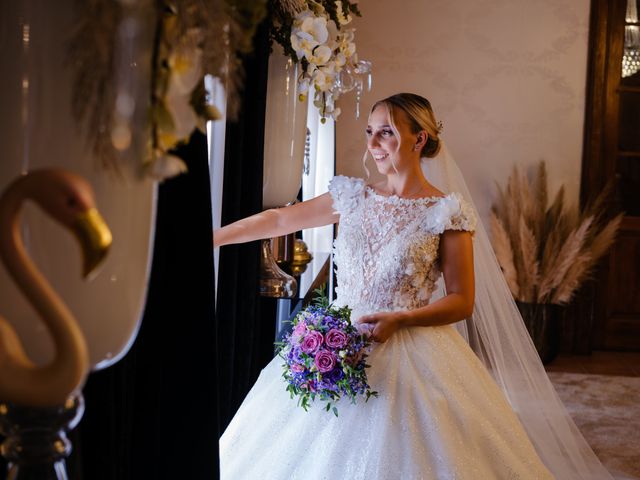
point(439, 414)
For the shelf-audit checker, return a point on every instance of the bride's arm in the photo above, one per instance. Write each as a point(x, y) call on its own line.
point(279, 221)
point(456, 259)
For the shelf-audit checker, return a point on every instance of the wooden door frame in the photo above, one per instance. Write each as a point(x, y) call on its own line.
point(606, 43)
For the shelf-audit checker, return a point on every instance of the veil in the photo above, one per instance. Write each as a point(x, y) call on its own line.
point(498, 336)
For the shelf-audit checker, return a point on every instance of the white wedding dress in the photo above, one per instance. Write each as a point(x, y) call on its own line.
point(439, 414)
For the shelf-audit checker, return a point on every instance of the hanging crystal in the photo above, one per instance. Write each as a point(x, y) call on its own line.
point(631, 55)
point(355, 77)
point(363, 68)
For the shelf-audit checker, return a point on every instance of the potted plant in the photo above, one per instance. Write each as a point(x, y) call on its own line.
point(547, 251)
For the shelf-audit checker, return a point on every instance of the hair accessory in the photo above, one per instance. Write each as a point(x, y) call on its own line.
point(440, 126)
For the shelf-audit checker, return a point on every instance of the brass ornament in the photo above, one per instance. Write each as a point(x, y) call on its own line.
point(95, 238)
point(301, 257)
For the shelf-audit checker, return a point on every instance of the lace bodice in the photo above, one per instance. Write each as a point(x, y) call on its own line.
point(386, 251)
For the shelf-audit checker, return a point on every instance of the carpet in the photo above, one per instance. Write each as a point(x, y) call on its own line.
point(606, 409)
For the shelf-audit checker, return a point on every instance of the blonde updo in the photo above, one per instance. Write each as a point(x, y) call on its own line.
point(420, 116)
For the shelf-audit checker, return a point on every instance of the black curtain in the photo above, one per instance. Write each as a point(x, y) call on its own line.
point(246, 324)
point(158, 413)
point(154, 414)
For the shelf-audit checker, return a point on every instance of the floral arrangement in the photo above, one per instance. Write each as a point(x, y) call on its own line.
point(546, 251)
point(191, 38)
point(315, 34)
point(178, 103)
point(325, 357)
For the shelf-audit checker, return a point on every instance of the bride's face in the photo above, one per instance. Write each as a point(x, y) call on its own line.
point(384, 145)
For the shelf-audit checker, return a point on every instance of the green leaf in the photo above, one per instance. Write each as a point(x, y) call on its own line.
point(321, 299)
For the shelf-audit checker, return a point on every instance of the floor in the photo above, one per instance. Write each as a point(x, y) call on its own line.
point(600, 362)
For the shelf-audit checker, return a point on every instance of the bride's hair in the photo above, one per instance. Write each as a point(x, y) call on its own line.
point(420, 115)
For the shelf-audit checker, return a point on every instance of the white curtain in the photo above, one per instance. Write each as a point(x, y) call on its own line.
point(216, 95)
point(321, 168)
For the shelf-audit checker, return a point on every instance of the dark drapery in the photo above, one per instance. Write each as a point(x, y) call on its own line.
point(154, 414)
point(246, 324)
point(158, 413)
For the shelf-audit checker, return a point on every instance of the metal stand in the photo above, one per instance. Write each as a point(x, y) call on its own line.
point(273, 281)
point(36, 442)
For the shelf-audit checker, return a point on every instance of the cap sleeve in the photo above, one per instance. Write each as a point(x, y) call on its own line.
point(347, 193)
point(462, 217)
point(452, 213)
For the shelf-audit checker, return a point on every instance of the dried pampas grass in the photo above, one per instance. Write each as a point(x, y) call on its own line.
point(545, 251)
point(504, 253)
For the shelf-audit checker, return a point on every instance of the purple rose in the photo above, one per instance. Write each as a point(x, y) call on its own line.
point(336, 338)
point(311, 342)
point(325, 361)
point(335, 375)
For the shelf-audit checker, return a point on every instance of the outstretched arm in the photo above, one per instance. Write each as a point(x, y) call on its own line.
point(279, 221)
point(456, 258)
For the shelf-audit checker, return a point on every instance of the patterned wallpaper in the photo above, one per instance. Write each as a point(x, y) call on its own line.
point(507, 78)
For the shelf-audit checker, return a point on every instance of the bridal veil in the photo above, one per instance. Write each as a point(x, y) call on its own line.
point(497, 334)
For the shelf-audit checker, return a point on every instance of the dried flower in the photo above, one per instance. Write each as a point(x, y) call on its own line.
point(545, 252)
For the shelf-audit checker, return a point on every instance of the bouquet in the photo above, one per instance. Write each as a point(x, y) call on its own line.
point(325, 356)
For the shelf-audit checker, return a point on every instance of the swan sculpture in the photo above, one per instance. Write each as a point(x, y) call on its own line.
point(68, 198)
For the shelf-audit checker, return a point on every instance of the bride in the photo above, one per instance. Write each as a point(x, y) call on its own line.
point(463, 401)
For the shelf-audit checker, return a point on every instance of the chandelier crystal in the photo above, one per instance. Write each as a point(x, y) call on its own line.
point(631, 54)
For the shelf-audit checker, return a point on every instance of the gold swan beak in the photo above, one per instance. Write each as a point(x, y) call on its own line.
point(95, 239)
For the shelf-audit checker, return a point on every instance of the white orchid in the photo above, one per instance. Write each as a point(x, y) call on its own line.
point(308, 32)
point(302, 46)
point(179, 106)
point(316, 27)
point(303, 88)
point(334, 31)
point(185, 71)
point(325, 50)
point(174, 115)
point(323, 80)
point(185, 63)
point(320, 55)
point(341, 60)
point(166, 166)
point(347, 46)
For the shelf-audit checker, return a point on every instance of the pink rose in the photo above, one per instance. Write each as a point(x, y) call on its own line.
point(310, 385)
point(336, 338)
point(299, 331)
point(325, 361)
point(297, 368)
point(311, 342)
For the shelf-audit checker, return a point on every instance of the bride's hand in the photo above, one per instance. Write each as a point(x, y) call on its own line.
point(382, 325)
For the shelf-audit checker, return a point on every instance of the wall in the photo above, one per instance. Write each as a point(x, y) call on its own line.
point(507, 78)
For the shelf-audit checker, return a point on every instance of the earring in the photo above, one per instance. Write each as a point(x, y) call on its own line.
point(364, 163)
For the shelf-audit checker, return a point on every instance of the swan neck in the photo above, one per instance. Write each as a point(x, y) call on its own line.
point(58, 318)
